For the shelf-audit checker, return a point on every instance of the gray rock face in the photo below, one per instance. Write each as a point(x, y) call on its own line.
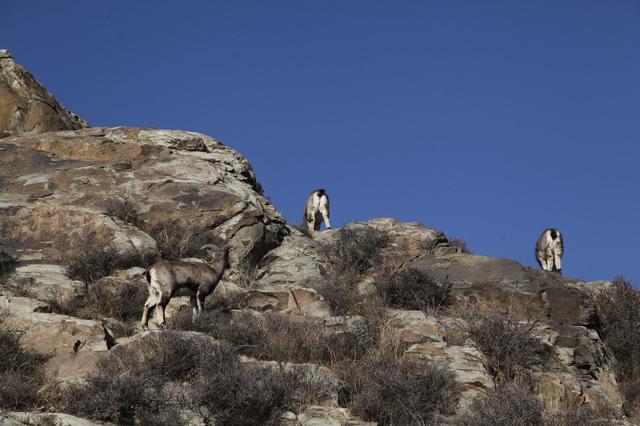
point(56, 187)
point(507, 285)
point(17, 418)
point(45, 282)
point(27, 107)
point(48, 333)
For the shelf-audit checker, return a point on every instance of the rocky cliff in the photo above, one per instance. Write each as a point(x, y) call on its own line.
point(27, 107)
point(67, 190)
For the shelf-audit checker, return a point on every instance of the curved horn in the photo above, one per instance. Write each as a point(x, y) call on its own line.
point(209, 246)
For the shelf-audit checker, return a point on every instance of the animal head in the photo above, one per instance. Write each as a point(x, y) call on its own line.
point(217, 251)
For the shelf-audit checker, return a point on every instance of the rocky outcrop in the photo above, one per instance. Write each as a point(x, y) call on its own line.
point(58, 180)
point(56, 188)
point(507, 285)
point(45, 282)
point(18, 418)
point(48, 333)
point(27, 107)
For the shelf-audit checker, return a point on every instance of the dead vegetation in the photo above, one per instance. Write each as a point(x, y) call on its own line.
point(280, 337)
point(177, 239)
point(517, 404)
point(357, 253)
point(125, 210)
point(508, 405)
point(413, 289)
point(619, 310)
point(385, 388)
point(354, 251)
point(8, 264)
point(20, 373)
point(168, 375)
point(508, 345)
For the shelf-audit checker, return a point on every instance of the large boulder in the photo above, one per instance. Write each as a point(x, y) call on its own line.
point(48, 333)
point(45, 282)
point(57, 187)
point(508, 286)
point(27, 107)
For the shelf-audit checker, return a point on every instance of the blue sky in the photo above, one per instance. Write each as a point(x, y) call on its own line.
point(488, 120)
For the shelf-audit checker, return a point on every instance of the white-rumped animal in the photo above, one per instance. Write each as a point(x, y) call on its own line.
point(549, 249)
point(167, 279)
point(316, 210)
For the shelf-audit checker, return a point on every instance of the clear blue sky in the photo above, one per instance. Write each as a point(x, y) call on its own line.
point(489, 120)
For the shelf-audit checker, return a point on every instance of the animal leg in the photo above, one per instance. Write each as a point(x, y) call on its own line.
point(311, 225)
point(148, 305)
point(325, 217)
point(558, 263)
point(161, 303)
point(194, 307)
point(200, 299)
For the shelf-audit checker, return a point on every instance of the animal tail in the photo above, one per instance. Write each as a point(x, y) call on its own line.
point(147, 276)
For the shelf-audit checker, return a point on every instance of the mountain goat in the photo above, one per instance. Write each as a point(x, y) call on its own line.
point(174, 278)
point(316, 209)
point(549, 249)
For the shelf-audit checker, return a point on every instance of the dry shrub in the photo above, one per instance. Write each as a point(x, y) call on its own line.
point(413, 289)
point(125, 210)
point(8, 264)
point(344, 298)
point(93, 262)
point(507, 344)
point(353, 253)
point(130, 386)
point(619, 310)
point(517, 404)
point(20, 375)
point(572, 411)
point(508, 405)
point(122, 302)
point(247, 273)
point(461, 244)
point(384, 388)
point(356, 250)
point(278, 337)
point(177, 239)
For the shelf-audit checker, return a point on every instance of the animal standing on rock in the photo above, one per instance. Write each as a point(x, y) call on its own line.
point(549, 248)
point(175, 278)
point(316, 209)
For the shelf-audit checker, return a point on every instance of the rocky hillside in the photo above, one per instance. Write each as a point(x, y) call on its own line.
point(379, 322)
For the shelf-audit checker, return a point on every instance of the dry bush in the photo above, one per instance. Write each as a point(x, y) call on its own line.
point(130, 386)
point(177, 239)
point(461, 244)
point(572, 411)
point(384, 388)
point(619, 310)
point(413, 289)
point(344, 298)
point(122, 302)
point(281, 338)
point(125, 210)
point(354, 251)
point(20, 375)
point(517, 404)
point(92, 262)
point(234, 393)
point(508, 405)
point(247, 273)
point(8, 264)
point(508, 345)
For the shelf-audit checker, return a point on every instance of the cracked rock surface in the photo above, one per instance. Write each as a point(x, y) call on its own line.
point(26, 106)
